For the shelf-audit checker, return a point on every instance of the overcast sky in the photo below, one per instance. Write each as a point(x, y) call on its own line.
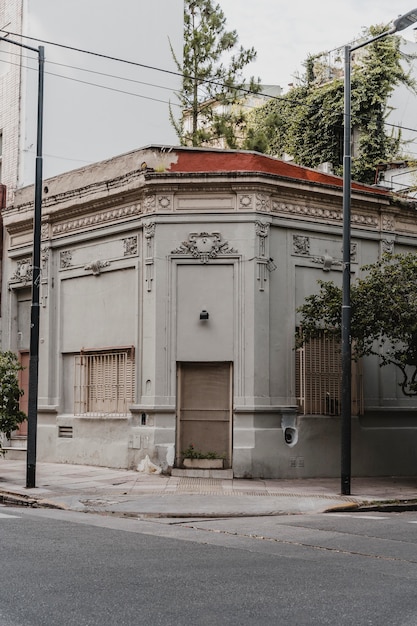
point(285, 32)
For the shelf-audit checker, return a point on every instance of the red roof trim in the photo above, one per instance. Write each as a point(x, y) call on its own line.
point(213, 161)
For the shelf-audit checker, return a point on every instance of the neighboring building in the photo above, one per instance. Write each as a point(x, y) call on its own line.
point(403, 103)
point(400, 177)
point(170, 282)
point(94, 107)
point(247, 103)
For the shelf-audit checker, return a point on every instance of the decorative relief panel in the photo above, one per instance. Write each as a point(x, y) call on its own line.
point(149, 204)
point(326, 261)
point(45, 252)
point(205, 246)
point(245, 201)
point(23, 274)
point(96, 266)
point(44, 231)
point(65, 258)
point(264, 262)
point(388, 223)
point(263, 202)
point(149, 231)
point(387, 246)
point(164, 202)
point(303, 245)
point(130, 246)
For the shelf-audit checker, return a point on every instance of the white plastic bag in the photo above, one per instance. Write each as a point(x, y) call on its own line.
point(147, 467)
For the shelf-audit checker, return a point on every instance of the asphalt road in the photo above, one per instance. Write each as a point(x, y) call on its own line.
point(62, 568)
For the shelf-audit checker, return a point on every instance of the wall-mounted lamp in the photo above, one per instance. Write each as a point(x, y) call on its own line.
point(204, 315)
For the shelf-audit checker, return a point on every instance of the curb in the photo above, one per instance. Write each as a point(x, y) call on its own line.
point(10, 498)
point(384, 507)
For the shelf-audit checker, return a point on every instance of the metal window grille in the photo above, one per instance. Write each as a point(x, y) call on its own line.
point(104, 382)
point(318, 378)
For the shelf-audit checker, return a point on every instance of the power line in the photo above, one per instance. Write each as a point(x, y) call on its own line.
point(158, 69)
point(108, 88)
point(127, 61)
point(171, 72)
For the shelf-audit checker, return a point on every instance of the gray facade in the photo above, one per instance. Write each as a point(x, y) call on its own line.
point(135, 251)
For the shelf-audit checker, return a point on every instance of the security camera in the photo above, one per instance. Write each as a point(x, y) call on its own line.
point(289, 434)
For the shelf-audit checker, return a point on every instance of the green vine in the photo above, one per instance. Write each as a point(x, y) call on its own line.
point(307, 123)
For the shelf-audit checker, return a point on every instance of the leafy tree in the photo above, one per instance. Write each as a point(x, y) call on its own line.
point(384, 315)
point(212, 80)
point(307, 123)
point(10, 414)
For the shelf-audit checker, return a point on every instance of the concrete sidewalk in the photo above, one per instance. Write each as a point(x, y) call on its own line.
point(130, 493)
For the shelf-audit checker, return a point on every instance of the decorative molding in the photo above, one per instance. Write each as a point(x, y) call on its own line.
point(388, 223)
point(164, 202)
point(387, 246)
point(86, 222)
point(149, 231)
point(130, 246)
point(262, 229)
point(65, 258)
point(149, 204)
point(326, 261)
point(264, 263)
point(205, 246)
point(263, 202)
point(301, 245)
point(23, 273)
point(96, 266)
point(245, 202)
point(44, 260)
point(44, 231)
point(44, 275)
point(324, 214)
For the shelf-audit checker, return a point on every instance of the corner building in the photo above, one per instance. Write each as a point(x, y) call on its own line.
point(170, 283)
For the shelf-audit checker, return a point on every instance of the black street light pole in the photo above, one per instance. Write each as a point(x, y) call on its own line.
point(400, 23)
point(36, 277)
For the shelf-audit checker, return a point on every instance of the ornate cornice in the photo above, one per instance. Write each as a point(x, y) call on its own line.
point(89, 221)
point(326, 214)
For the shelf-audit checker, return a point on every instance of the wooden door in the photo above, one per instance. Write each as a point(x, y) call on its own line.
point(204, 413)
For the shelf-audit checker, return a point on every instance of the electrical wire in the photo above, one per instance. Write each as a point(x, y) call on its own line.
point(157, 69)
point(171, 72)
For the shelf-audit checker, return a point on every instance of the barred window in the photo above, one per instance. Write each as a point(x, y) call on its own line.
point(104, 381)
point(318, 378)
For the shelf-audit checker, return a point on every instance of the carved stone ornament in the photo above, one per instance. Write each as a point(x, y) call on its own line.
point(327, 262)
point(301, 245)
point(130, 245)
point(245, 201)
point(164, 202)
point(204, 246)
point(149, 204)
point(262, 229)
point(65, 259)
point(388, 223)
point(149, 229)
point(262, 202)
point(387, 246)
point(96, 266)
point(23, 273)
